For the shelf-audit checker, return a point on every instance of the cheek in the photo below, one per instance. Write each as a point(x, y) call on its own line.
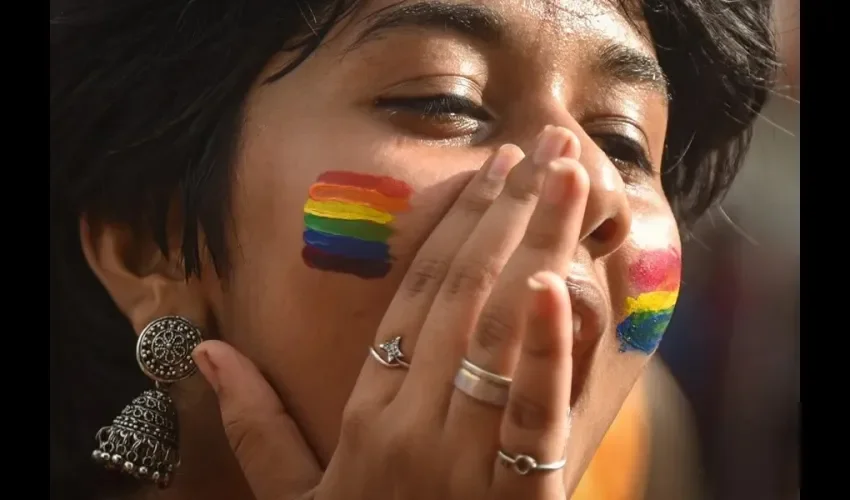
point(651, 271)
point(290, 318)
point(278, 166)
point(279, 170)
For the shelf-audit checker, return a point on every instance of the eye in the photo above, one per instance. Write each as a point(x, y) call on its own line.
point(626, 153)
point(441, 116)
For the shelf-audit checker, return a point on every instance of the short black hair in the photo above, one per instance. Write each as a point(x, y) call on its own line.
point(146, 100)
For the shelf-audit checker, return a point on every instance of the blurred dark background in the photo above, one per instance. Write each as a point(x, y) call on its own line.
point(733, 344)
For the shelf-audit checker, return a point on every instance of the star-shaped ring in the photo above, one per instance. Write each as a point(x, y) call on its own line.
point(394, 356)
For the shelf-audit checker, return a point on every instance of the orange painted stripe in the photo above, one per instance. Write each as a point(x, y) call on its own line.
point(351, 194)
point(387, 186)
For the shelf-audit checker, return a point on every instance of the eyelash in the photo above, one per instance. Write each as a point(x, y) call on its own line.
point(437, 105)
point(621, 150)
point(625, 152)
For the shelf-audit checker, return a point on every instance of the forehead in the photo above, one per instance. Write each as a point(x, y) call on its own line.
point(608, 36)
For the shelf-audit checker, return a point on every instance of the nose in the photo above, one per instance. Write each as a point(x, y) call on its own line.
point(607, 218)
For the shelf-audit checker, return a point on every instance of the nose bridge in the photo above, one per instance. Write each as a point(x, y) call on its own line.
point(607, 218)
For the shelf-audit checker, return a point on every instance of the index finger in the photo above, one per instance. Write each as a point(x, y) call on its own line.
point(413, 300)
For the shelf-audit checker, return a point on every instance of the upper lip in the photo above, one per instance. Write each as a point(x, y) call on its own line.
point(588, 301)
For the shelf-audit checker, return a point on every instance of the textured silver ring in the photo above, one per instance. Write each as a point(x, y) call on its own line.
point(394, 356)
point(524, 464)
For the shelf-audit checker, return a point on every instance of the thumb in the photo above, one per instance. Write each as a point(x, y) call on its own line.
point(273, 454)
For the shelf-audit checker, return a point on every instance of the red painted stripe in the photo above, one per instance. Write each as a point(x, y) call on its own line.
point(656, 270)
point(387, 186)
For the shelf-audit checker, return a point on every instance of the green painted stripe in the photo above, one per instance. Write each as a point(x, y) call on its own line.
point(360, 229)
point(651, 323)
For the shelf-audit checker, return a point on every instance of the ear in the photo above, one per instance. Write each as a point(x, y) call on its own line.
point(144, 283)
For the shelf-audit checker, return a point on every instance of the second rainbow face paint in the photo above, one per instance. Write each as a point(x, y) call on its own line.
point(347, 222)
point(656, 277)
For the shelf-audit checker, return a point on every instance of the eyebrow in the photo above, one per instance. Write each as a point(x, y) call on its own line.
point(473, 21)
point(630, 66)
point(618, 62)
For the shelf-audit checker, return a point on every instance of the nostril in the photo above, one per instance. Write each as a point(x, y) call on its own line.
point(605, 232)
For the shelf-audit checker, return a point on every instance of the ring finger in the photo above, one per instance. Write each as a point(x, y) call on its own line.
point(549, 244)
point(535, 426)
point(475, 269)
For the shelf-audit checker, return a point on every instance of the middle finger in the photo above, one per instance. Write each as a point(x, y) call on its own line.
point(474, 270)
point(549, 244)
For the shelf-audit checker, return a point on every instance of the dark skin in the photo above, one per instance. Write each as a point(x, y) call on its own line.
point(521, 66)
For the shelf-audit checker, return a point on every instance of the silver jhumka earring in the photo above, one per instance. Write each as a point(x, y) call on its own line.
point(142, 441)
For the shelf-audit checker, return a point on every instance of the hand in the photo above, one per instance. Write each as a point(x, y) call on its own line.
point(487, 285)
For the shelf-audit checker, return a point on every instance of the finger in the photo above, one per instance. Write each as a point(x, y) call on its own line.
point(549, 243)
point(268, 445)
point(536, 419)
point(478, 264)
point(409, 307)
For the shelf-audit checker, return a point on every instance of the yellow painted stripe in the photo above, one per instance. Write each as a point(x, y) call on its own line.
point(346, 211)
point(652, 301)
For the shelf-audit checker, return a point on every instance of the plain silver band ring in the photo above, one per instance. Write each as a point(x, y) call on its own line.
point(524, 464)
point(481, 389)
point(482, 373)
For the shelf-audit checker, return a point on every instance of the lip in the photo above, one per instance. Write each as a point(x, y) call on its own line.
point(588, 301)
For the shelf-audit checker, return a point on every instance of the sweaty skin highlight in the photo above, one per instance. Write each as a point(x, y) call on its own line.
point(656, 277)
point(346, 220)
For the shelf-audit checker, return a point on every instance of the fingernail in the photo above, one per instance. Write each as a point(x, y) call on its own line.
point(549, 147)
point(536, 284)
point(500, 165)
point(206, 367)
point(553, 186)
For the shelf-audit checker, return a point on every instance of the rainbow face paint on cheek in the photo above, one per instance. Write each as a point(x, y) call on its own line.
point(656, 277)
point(347, 221)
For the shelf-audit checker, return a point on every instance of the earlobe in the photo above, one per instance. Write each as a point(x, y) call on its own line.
point(144, 283)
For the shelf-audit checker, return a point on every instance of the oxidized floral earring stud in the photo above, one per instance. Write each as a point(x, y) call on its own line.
point(142, 441)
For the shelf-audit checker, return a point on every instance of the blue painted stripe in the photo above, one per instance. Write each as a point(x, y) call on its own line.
point(346, 246)
point(643, 331)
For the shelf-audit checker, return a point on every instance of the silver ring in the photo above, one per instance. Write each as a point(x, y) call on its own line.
point(482, 373)
point(524, 464)
point(392, 348)
point(481, 389)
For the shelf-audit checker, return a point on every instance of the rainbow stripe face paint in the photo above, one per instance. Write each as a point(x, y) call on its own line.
point(347, 221)
point(655, 276)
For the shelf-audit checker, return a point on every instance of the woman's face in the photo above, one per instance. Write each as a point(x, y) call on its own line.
point(366, 102)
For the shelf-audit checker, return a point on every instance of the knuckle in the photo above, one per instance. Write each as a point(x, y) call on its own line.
point(527, 414)
point(399, 450)
point(522, 189)
point(475, 201)
point(424, 274)
point(246, 435)
point(355, 422)
point(545, 342)
point(472, 278)
point(540, 350)
point(542, 237)
point(495, 326)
